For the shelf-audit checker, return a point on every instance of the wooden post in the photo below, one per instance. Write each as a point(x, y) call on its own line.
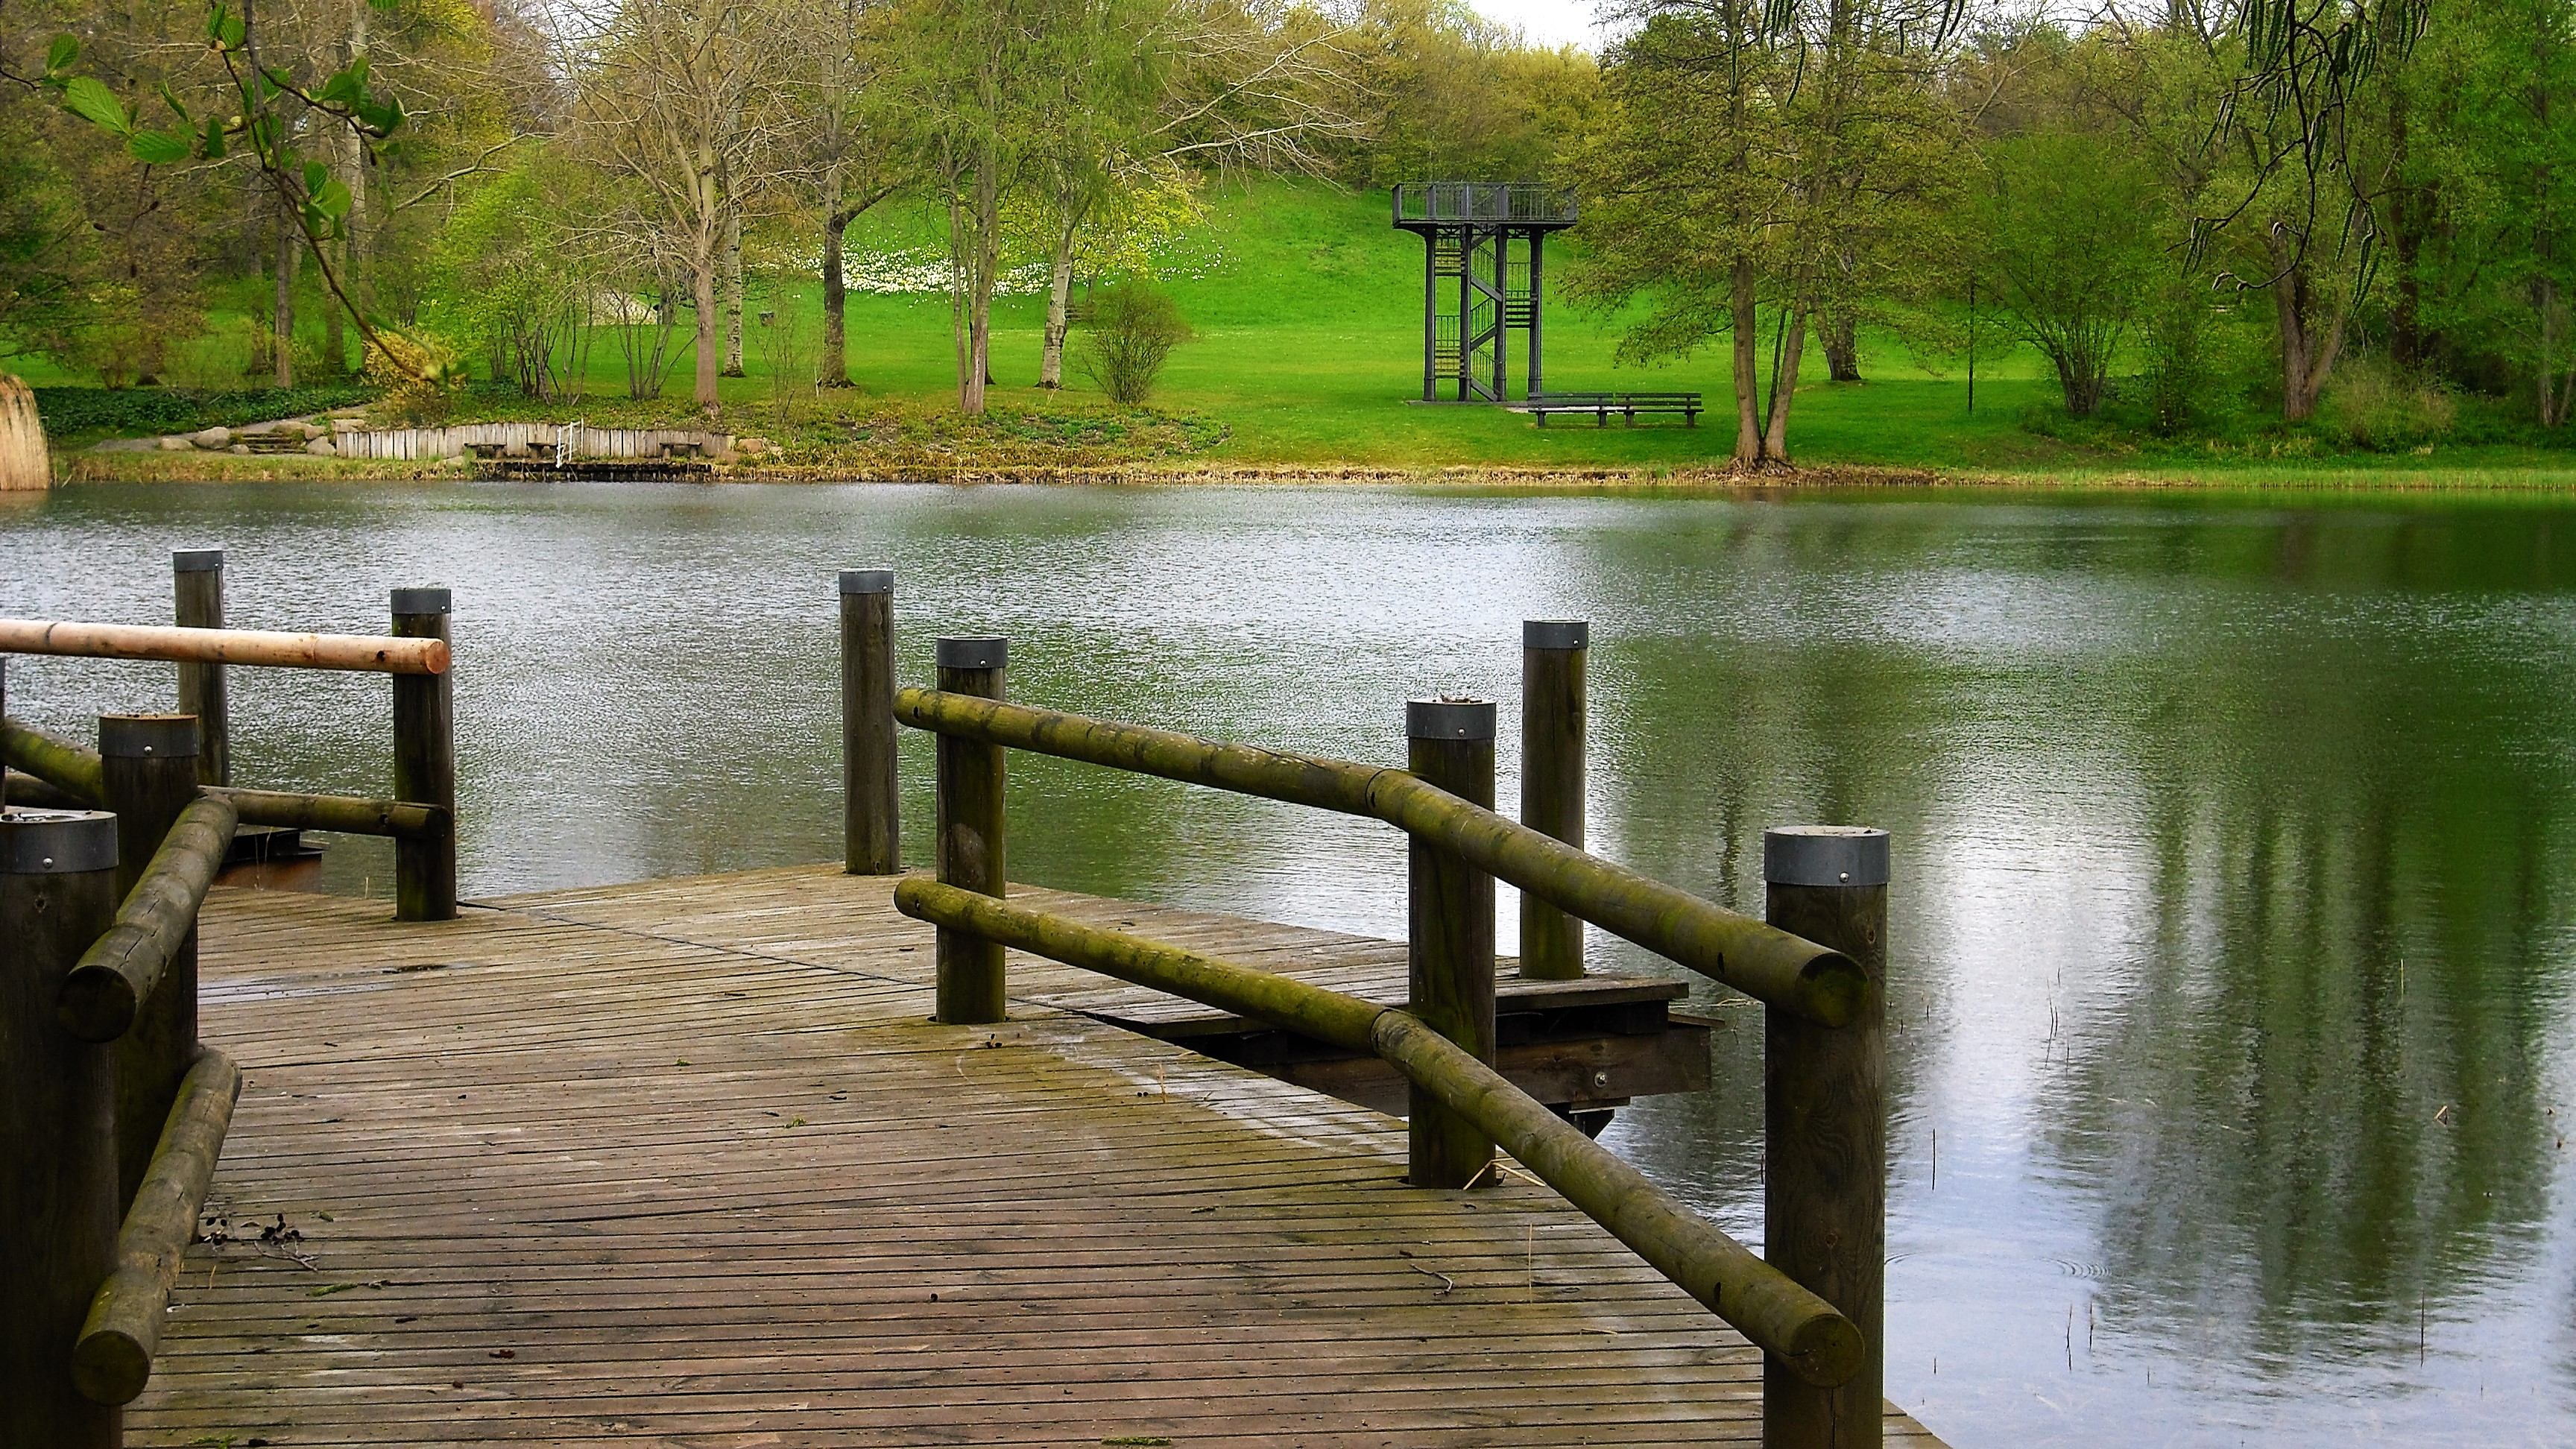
point(57, 1126)
point(1450, 934)
point(1824, 1195)
point(871, 814)
point(148, 763)
point(1553, 654)
point(424, 763)
point(970, 835)
point(197, 583)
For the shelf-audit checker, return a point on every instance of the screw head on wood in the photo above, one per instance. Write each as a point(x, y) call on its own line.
point(56, 842)
point(1449, 719)
point(1825, 855)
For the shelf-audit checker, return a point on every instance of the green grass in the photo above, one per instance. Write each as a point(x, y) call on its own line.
point(1307, 305)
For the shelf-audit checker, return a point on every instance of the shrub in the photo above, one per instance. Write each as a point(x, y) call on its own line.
point(75, 411)
point(1128, 333)
point(2375, 405)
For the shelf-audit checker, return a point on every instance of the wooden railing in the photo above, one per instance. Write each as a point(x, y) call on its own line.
point(1811, 1301)
point(420, 816)
point(112, 1113)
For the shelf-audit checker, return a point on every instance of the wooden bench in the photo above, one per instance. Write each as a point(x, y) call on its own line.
point(1626, 404)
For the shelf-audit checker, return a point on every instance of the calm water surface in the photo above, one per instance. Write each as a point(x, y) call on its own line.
point(2235, 918)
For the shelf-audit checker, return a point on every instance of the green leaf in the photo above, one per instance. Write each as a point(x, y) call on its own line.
point(170, 99)
point(88, 98)
point(230, 33)
point(342, 89)
point(331, 199)
point(159, 148)
point(316, 175)
point(214, 139)
point(65, 52)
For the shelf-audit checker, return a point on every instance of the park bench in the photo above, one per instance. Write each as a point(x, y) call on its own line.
point(1626, 404)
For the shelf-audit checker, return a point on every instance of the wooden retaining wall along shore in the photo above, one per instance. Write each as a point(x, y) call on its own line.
point(575, 439)
point(686, 1163)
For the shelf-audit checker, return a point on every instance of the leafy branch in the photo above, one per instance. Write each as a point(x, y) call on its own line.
point(307, 191)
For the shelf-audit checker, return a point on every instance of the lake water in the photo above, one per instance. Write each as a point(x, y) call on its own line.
point(2235, 911)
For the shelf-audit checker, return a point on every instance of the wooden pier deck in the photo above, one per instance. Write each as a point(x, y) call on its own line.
point(684, 1163)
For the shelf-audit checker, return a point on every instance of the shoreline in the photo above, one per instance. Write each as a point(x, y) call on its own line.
point(117, 467)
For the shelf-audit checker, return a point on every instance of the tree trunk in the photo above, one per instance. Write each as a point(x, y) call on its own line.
point(2307, 354)
point(1059, 318)
point(834, 370)
point(1784, 388)
point(1838, 333)
point(702, 289)
point(1748, 343)
point(282, 318)
point(733, 288)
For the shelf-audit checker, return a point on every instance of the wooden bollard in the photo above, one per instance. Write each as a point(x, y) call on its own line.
point(197, 584)
point(57, 1126)
point(424, 763)
point(1553, 654)
point(1449, 931)
point(970, 835)
point(1824, 1195)
point(149, 764)
point(871, 818)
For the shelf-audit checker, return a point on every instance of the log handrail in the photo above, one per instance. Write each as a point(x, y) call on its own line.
point(1761, 961)
point(75, 771)
point(363, 652)
point(117, 974)
point(113, 1358)
point(1768, 1307)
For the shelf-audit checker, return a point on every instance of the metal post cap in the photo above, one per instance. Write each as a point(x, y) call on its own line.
point(1448, 719)
point(56, 842)
point(974, 653)
point(1824, 855)
point(423, 601)
point(867, 581)
point(197, 560)
point(1556, 633)
point(147, 736)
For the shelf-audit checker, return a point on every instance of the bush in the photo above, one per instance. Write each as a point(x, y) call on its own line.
point(1128, 333)
point(75, 411)
point(2372, 404)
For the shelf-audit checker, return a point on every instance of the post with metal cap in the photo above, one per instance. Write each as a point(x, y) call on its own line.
point(1449, 932)
point(871, 833)
point(1824, 1195)
point(148, 764)
point(425, 763)
point(970, 835)
point(197, 586)
point(1552, 727)
point(57, 1125)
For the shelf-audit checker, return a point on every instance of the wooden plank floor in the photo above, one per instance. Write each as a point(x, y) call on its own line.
point(683, 1163)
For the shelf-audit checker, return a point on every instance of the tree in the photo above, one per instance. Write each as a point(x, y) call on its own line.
point(2069, 237)
point(691, 102)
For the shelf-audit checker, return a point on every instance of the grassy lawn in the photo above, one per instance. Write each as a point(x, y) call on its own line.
point(1307, 305)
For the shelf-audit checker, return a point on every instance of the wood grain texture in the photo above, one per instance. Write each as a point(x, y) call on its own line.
point(425, 774)
point(686, 1163)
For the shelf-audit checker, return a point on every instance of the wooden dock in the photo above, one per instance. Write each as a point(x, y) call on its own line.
point(685, 1163)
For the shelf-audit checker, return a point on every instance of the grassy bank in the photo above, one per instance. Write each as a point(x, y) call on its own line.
point(1307, 308)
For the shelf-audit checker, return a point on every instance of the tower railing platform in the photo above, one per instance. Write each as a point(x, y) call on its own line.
point(1452, 203)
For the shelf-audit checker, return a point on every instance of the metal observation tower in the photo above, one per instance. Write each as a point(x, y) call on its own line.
point(1480, 278)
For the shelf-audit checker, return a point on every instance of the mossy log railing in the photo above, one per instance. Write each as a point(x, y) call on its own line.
point(1783, 1319)
point(112, 1359)
point(1762, 961)
point(73, 771)
point(121, 969)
